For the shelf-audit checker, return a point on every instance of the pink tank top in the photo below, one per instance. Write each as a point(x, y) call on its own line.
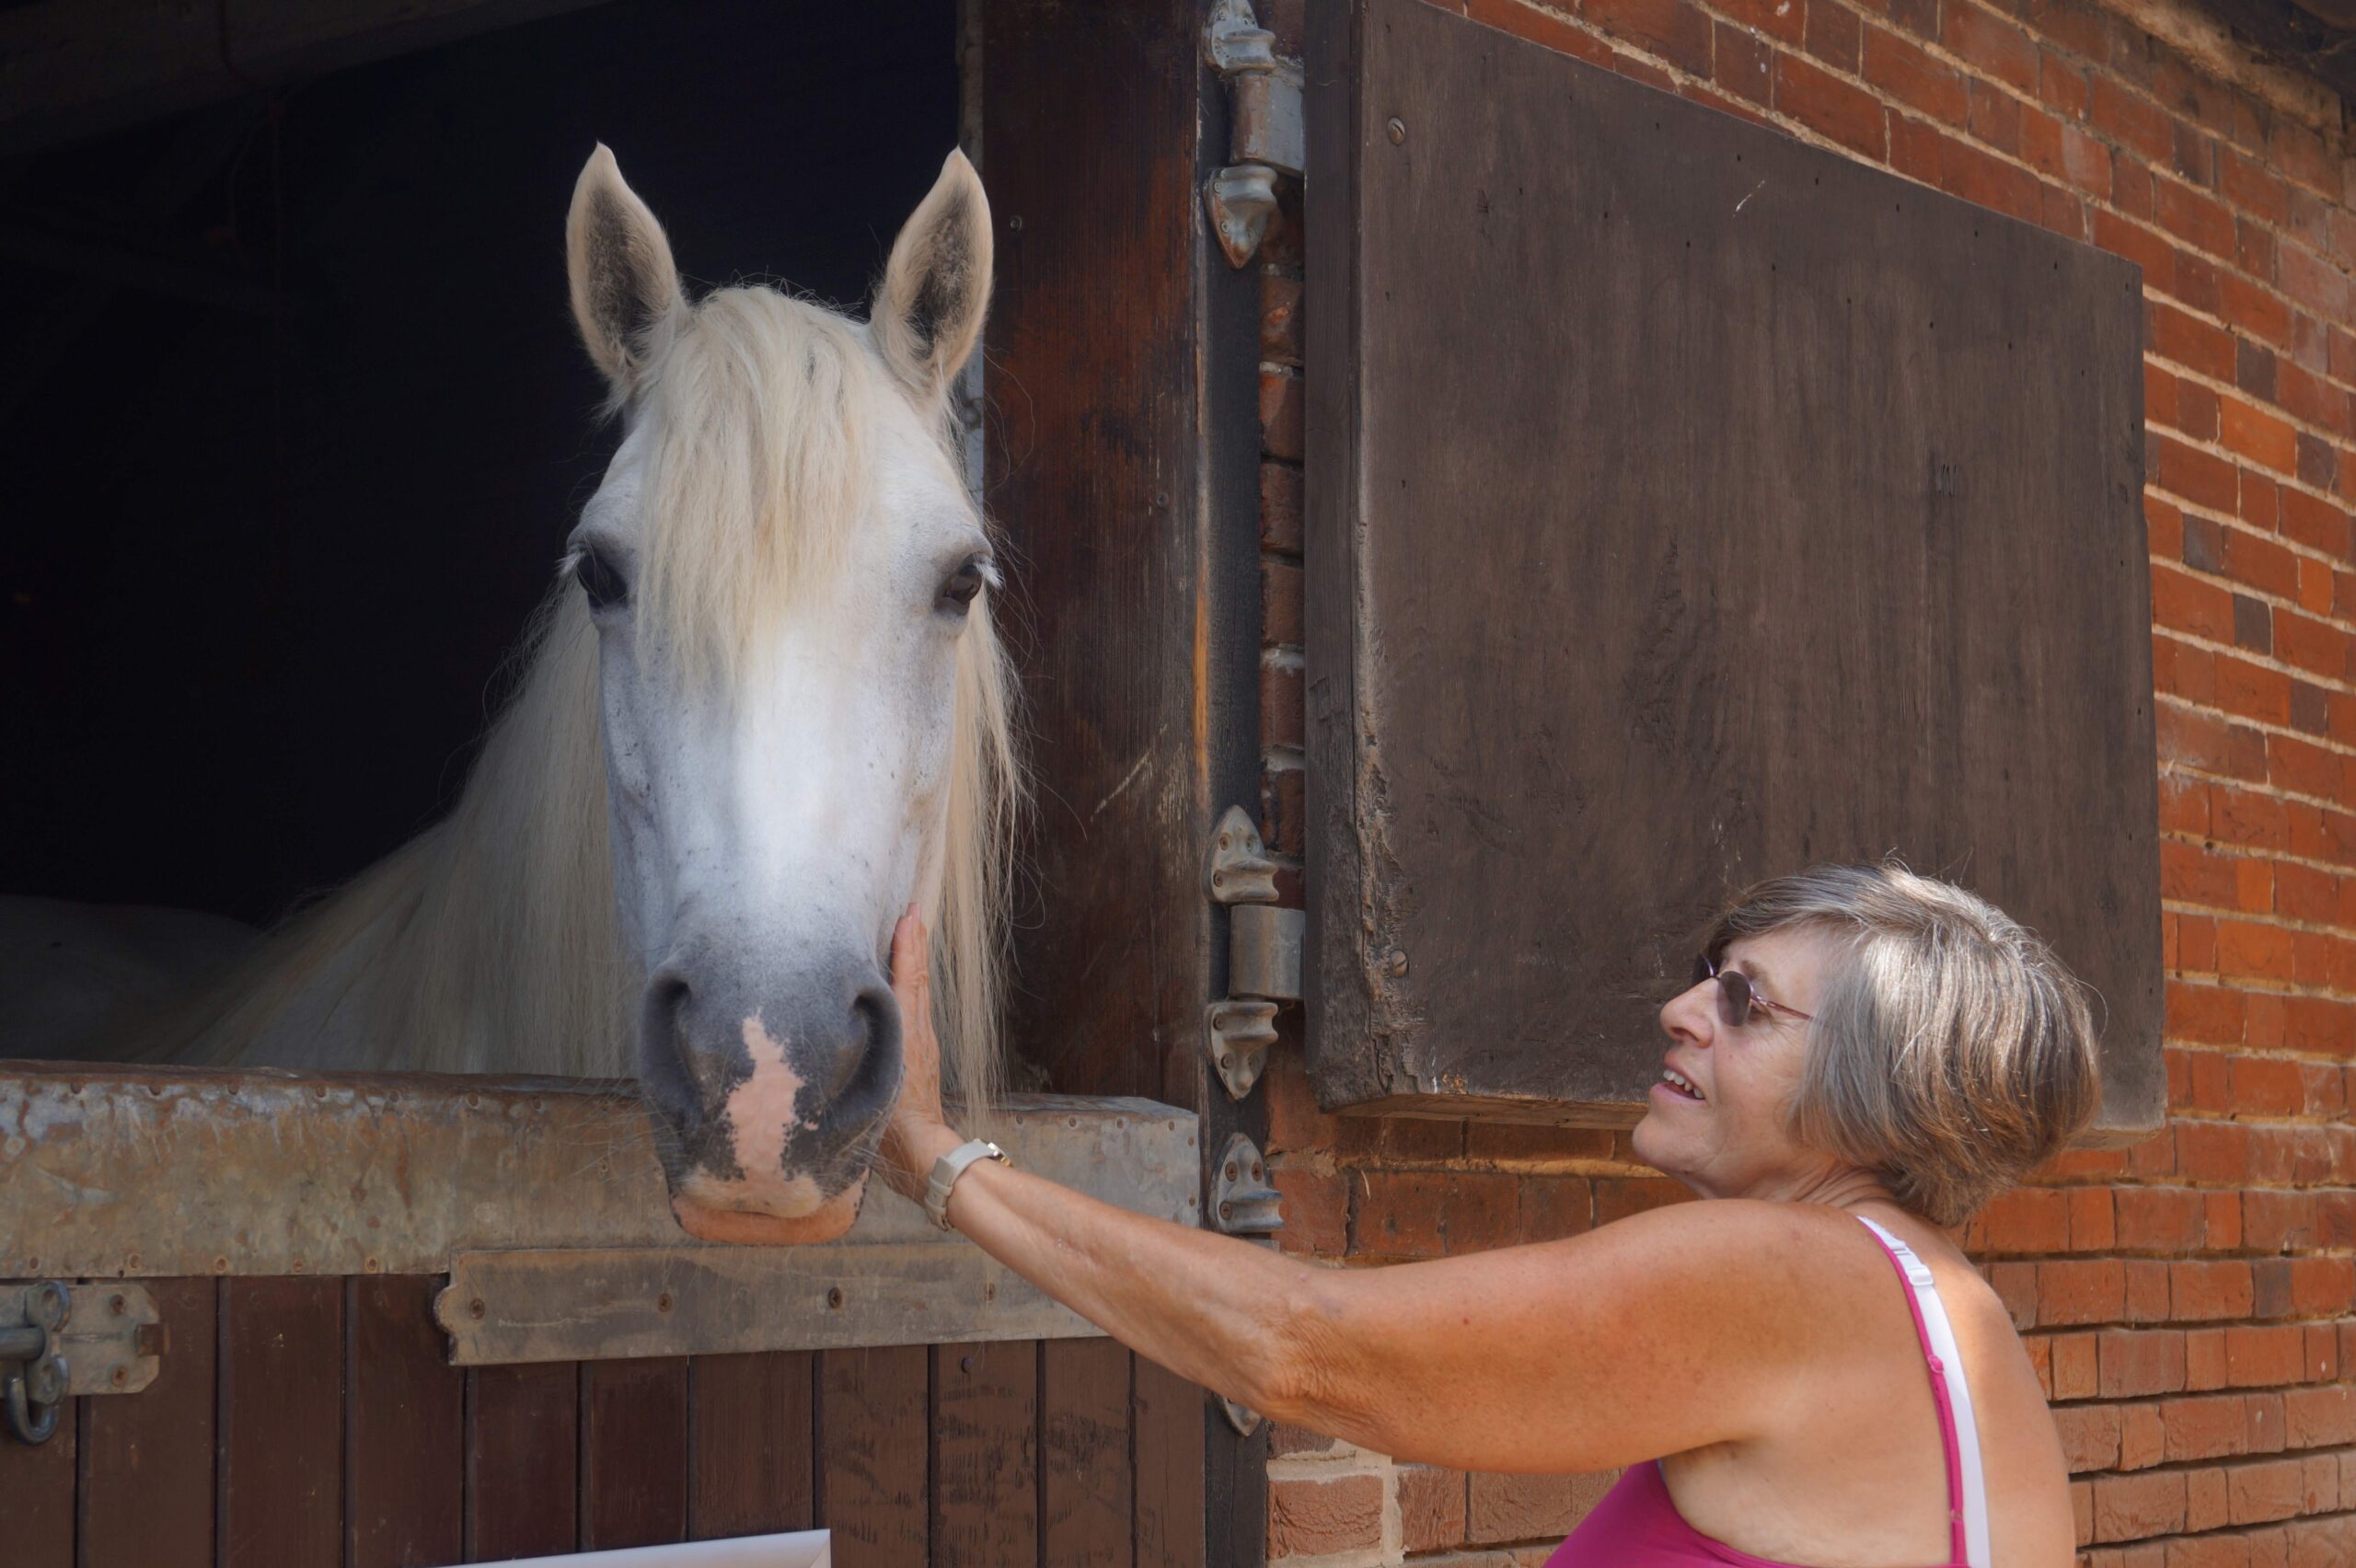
point(1637, 1524)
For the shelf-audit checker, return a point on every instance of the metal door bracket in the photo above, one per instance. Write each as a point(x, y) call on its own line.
point(59, 1341)
point(1264, 944)
point(1265, 135)
point(1244, 1204)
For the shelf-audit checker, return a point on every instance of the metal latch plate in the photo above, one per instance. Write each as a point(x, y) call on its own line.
point(113, 1341)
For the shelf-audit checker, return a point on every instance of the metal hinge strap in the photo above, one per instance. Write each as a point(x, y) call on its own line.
point(1266, 133)
point(1264, 945)
point(58, 1342)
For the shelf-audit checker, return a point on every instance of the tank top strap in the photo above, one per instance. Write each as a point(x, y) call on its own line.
point(1966, 1485)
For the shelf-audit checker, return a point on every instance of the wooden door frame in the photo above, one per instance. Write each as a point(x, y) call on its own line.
point(1123, 468)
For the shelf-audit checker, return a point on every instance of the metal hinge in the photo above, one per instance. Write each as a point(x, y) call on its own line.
point(59, 1341)
point(1263, 953)
point(1265, 136)
point(1244, 1204)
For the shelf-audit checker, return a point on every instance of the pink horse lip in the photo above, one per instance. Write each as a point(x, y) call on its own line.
point(752, 1227)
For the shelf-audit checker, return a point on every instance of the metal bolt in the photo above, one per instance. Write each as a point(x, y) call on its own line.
point(1227, 1211)
point(662, 1302)
point(1255, 1171)
point(119, 1376)
point(964, 1364)
point(834, 1296)
point(1015, 223)
point(1231, 1170)
point(1396, 964)
point(1397, 129)
point(117, 1304)
point(477, 1310)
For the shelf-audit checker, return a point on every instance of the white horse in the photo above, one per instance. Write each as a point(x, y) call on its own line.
point(764, 710)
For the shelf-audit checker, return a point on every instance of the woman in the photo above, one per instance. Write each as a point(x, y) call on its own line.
point(1860, 1045)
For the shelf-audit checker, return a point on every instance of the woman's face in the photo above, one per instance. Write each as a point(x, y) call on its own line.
point(1725, 1136)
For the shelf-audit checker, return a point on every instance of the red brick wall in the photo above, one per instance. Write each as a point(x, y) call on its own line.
point(2191, 1301)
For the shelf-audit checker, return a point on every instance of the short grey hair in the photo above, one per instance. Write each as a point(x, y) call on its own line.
point(1950, 1050)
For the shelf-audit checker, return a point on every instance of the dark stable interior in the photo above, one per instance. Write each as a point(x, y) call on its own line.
point(279, 507)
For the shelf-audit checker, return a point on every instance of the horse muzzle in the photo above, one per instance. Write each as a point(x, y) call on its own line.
point(769, 1108)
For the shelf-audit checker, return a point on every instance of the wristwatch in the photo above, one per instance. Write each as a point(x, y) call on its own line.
point(948, 1167)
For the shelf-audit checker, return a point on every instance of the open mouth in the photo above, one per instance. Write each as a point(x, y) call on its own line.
point(1679, 1085)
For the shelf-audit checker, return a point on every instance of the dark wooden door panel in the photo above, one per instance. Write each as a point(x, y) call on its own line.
point(1167, 1417)
point(522, 1470)
point(986, 1455)
point(1689, 505)
point(37, 1484)
point(147, 1460)
point(407, 1423)
point(752, 1449)
point(633, 1453)
point(873, 1444)
point(1085, 1489)
point(281, 1422)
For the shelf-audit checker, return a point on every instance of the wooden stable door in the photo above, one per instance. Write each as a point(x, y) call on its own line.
point(1688, 504)
point(302, 1423)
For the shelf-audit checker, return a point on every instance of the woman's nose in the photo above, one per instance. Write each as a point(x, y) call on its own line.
point(1686, 1016)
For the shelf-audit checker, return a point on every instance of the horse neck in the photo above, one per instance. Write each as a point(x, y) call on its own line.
point(487, 944)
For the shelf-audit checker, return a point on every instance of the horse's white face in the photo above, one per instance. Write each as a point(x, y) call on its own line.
point(770, 823)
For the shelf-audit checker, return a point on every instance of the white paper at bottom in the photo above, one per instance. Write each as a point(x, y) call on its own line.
point(804, 1549)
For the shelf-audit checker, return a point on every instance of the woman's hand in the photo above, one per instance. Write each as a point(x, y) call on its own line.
point(918, 1134)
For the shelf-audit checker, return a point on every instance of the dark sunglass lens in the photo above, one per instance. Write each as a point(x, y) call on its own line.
point(1734, 999)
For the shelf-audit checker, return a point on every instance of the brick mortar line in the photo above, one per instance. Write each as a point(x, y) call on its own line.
point(2326, 739)
point(2322, 868)
point(2187, 906)
point(2201, 509)
point(2252, 656)
point(2268, 792)
point(2240, 394)
point(2342, 445)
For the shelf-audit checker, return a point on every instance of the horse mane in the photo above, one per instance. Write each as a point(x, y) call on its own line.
point(489, 943)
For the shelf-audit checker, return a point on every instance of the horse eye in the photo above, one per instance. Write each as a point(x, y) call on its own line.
point(598, 580)
point(958, 593)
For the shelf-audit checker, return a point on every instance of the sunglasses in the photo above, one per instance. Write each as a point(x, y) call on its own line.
point(1737, 996)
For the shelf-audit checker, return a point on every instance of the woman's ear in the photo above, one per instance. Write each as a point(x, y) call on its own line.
point(936, 288)
point(626, 296)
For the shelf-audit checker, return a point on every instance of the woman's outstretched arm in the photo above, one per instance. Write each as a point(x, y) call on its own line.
point(1655, 1335)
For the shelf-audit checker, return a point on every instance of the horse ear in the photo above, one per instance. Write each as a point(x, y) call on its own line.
point(626, 294)
point(936, 288)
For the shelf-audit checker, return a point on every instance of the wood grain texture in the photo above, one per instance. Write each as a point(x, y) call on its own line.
point(752, 1453)
point(38, 1483)
point(147, 1460)
point(1168, 1418)
point(1085, 1486)
point(633, 1453)
point(406, 1424)
point(873, 1441)
point(1089, 129)
point(280, 1502)
point(1688, 506)
point(986, 1455)
point(522, 1461)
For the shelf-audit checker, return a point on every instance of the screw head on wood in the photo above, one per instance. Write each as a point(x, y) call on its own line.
point(477, 1310)
point(1396, 964)
point(662, 1302)
point(1396, 130)
point(834, 1296)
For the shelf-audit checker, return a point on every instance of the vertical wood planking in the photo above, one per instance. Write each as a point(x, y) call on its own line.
point(1169, 1424)
point(873, 1455)
point(523, 1471)
point(281, 1481)
point(633, 1452)
point(405, 1418)
point(751, 1420)
point(1090, 122)
point(1085, 1486)
point(148, 1458)
point(986, 1455)
point(37, 1496)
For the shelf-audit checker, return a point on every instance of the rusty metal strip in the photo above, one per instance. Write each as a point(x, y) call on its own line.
point(136, 1172)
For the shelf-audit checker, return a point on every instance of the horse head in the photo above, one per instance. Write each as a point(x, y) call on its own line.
point(801, 696)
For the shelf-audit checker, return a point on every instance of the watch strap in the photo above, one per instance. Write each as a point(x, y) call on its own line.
point(949, 1167)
